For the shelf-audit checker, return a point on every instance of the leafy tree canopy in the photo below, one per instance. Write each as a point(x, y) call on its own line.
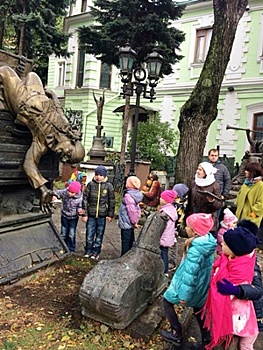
point(162, 141)
point(145, 24)
point(33, 28)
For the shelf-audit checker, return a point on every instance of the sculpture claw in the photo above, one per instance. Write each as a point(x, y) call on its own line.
point(45, 200)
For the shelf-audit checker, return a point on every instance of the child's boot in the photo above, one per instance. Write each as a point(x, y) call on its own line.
point(174, 336)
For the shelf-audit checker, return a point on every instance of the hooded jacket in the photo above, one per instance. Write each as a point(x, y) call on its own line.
point(130, 210)
point(71, 205)
point(223, 177)
point(168, 236)
point(191, 280)
point(99, 199)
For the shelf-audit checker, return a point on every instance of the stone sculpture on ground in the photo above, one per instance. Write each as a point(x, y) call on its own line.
point(115, 292)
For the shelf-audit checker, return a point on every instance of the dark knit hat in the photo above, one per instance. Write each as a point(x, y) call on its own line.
point(101, 170)
point(240, 240)
point(249, 225)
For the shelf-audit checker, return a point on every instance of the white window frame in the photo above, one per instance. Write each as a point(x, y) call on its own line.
point(202, 44)
point(61, 73)
point(260, 44)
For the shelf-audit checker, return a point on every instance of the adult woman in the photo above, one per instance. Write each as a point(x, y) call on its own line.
point(249, 200)
point(200, 201)
point(152, 196)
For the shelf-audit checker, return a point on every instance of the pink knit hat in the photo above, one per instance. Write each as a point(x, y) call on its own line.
point(133, 182)
point(74, 187)
point(229, 217)
point(200, 223)
point(169, 196)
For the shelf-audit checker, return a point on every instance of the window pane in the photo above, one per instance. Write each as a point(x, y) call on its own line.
point(61, 74)
point(258, 126)
point(105, 76)
point(203, 38)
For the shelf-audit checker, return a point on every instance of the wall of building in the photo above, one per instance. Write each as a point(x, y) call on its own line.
point(241, 93)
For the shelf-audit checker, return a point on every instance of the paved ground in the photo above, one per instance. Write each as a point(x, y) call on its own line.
point(111, 249)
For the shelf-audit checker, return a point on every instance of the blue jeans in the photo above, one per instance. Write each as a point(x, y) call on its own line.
point(164, 256)
point(127, 239)
point(95, 229)
point(68, 232)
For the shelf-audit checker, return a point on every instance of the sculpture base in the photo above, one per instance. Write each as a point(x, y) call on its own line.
point(27, 243)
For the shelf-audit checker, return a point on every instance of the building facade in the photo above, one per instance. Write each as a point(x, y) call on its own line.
point(77, 78)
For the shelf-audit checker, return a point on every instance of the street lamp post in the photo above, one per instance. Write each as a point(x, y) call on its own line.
point(135, 80)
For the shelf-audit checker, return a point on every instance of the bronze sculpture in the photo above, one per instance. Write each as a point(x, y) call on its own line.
point(254, 155)
point(41, 113)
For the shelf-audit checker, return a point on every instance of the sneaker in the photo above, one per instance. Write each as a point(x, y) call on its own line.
point(172, 337)
point(95, 257)
point(87, 255)
point(166, 275)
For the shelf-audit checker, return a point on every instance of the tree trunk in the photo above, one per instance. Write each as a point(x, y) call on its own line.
point(125, 129)
point(200, 110)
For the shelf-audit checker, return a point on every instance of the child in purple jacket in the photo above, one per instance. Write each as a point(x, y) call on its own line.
point(130, 212)
point(70, 211)
point(168, 236)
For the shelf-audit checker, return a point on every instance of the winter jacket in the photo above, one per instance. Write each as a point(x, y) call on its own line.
point(99, 199)
point(152, 198)
point(191, 279)
point(168, 236)
point(70, 205)
point(223, 177)
point(254, 292)
point(130, 211)
point(199, 204)
point(249, 203)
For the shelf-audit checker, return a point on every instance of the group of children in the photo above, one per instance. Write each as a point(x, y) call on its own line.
point(218, 292)
point(95, 203)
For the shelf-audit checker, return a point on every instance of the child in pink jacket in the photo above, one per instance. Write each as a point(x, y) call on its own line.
point(168, 236)
point(228, 222)
point(226, 315)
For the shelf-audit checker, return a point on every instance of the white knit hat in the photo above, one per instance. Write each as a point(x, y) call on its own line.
point(209, 169)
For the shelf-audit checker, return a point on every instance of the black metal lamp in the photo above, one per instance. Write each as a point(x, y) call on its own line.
point(154, 63)
point(135, 80)
point(127, 57)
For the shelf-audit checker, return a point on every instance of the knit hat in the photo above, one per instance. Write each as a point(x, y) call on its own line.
point(249, 225)
point(181, 190)
point(133, 182)
point(200, 223)
point(209, 169)
point(101, 170)
point(229, 217)
point(168, 196)
point(74, 187)
point(240, 240)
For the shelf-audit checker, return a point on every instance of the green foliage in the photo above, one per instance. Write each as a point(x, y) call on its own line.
point(33, 28)
point(155, 141)
point(144, 24)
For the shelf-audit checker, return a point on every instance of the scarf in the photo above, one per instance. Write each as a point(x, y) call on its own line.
point(208, 180)
point(251, 182)
point(217, 310)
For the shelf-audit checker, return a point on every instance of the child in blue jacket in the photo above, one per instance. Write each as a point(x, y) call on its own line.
point(190, 282)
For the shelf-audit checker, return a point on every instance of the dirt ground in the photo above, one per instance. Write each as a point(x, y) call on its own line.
point(43, 312)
